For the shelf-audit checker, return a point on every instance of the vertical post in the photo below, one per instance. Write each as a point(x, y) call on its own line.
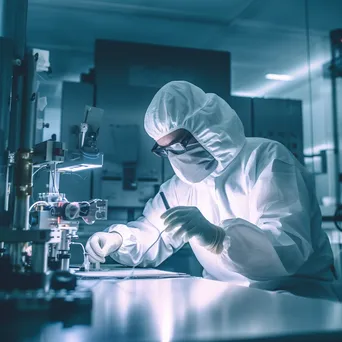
point(28, 110)
point(64, 250)
point(336, 140)
point(13, 19)
point(23, 166)
point(6, 49)
point(336, 53)
point(54, 178)
point(39, 257)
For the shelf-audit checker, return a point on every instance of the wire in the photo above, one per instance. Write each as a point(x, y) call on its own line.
point(86, 203)
point(148, 249)
point(90, 156)
point(84, 252)
point(41, 168)
point(53, 175)
point(80, 244)
point(38, 203)
point(167, 207)
point(74, 174)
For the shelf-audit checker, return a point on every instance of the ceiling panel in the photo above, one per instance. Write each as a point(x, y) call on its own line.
point(264, 36)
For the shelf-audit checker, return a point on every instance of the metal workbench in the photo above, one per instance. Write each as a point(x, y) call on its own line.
point(192, 309)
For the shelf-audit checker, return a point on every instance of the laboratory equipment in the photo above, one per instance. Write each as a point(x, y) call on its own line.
point(53, 210)
point(35, 239)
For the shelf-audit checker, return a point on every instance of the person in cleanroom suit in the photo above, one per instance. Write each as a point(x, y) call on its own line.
point(245, 205)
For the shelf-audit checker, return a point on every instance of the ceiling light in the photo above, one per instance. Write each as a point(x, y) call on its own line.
point(278, 77)
point(299, 74)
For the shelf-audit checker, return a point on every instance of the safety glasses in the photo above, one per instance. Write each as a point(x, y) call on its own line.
point(176, 148)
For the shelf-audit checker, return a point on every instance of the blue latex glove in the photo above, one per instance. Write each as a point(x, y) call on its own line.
point(188, 222)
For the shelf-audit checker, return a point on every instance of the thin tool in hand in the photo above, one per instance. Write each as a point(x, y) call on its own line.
point(166, 204)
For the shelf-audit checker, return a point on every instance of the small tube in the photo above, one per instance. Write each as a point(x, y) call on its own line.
point(86, 263)
point(65, 263)
point(95, 266)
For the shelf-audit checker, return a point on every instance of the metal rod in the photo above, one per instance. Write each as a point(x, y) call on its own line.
point(336, 139)
point(23, 165)
point(39, 257)
point(28, 112)
point(13, 21)
point(5, 26)
point(2, 248)
point(21, 213)
point(54, 177)
point(6, 49)
point(15, 251)
point(23, 187)
point(64, 249)
point(5, 90)
point(7, 187)
point(335, 120)
point(65, 264)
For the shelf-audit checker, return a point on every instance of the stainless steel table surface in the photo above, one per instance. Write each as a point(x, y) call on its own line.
point(195, 309)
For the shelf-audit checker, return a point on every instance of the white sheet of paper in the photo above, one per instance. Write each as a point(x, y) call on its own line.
point(127, 272)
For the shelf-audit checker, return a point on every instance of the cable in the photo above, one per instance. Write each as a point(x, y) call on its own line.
point(74, 174)
point(148, 249)
point(90, 156)
point(53, 175)
point(85, 259)
point(41, 168)
point(167, 207)
point(38, 203)
point(80, 244)
point(87, 208)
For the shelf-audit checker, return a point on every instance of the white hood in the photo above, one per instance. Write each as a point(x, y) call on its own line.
point(207, 117)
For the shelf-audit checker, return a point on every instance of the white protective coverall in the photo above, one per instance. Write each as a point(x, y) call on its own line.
point(259, 194)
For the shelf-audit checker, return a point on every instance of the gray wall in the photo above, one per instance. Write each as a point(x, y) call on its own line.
point(127, 77)
point(279, 120)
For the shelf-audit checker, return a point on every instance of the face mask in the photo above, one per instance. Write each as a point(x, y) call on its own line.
point(194, 165)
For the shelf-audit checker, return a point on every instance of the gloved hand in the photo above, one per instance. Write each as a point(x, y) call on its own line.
point(192, 223)
point(102, 244)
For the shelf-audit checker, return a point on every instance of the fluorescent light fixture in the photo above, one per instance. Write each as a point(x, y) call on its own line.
point(316, 149)
point(279, 77)
point(79, 167)
point(299, 73)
